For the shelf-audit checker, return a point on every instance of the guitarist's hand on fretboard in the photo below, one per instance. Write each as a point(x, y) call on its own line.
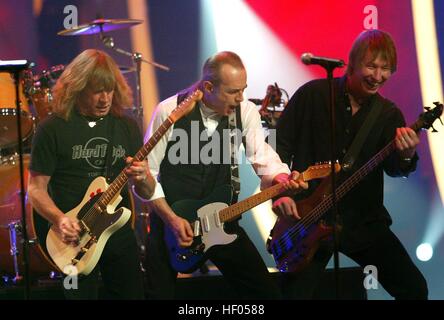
point(406, 141)
point(292, 183)
point(140, 176)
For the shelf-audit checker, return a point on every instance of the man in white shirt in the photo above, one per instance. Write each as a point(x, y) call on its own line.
point(180, 163)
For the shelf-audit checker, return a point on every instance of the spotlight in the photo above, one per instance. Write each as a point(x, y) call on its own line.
point(424, 252)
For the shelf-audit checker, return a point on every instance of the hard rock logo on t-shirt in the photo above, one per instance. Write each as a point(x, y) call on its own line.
point(94, 152)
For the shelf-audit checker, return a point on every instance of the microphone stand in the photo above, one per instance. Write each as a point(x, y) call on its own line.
point(329, 66)
point(333, 160)
point(137, 61)
point(15, 67)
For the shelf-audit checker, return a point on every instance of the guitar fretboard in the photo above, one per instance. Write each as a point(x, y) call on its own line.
point(354, 179)
point(120, 181)
point(235, 210)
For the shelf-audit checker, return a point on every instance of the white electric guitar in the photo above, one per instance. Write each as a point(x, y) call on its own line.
point(96, 213)
point(207, 217)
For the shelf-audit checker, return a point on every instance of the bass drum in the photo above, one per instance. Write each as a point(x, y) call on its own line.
point(10, 213)
point(8, 113)
point(8, 128)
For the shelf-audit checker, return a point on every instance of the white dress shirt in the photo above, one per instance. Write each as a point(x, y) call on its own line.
point(266, 162)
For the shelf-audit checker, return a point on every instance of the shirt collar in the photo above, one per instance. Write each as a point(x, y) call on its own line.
point(209, 113)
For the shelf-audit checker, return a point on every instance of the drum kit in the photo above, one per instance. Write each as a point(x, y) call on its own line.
point(35, 95)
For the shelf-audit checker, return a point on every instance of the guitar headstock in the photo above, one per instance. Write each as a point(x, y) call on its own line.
point(427, 118)
point(186, 106)
point(319, 171)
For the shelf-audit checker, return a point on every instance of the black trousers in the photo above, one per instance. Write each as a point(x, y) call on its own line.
point(396, 270)
point(119, 267)
point(239, 262)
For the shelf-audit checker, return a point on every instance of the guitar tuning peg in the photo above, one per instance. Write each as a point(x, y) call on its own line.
point(427, 108)
point(433, 129)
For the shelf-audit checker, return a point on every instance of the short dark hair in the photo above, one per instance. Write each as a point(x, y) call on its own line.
point(211, 67)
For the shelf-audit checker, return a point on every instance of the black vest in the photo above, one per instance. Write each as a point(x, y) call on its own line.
point(193, 179)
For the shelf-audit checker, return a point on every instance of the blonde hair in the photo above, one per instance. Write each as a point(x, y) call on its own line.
point(90, 70)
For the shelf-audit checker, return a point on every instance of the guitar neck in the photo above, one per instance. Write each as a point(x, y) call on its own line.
point(235, 210)
point(122, 178)
point(357, 177)
point(362, 172)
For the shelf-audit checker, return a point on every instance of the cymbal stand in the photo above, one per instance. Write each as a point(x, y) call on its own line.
point(15, 229)
point(137, 61)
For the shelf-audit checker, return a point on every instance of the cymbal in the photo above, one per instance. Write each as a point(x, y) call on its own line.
point(100, 25)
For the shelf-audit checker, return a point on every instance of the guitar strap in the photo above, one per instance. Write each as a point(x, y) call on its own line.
point(109, 150)
point(235, 127)
point(353, 152)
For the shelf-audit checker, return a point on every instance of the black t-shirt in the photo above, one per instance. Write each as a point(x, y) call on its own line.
point(73, 154)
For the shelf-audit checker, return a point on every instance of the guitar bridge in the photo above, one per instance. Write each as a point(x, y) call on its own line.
point(83, 250)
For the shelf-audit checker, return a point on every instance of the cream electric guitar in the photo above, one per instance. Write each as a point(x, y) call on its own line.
point(96, 213)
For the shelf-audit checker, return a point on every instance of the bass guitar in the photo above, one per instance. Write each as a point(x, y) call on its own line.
point(293, 243)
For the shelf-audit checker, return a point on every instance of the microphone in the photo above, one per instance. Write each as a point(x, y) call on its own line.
point(308, 58)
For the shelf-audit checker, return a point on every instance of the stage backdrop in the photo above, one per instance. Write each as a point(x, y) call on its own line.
point(270, 36)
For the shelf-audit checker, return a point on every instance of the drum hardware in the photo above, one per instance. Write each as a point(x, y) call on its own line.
point(272, 105)
point(100, 25)
point(126, 69)
point(38, 89)
point(15, 232)
point(15, 229)
point(15, 67)
point(9, 159)
point(16, 239)
point(12, 236)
